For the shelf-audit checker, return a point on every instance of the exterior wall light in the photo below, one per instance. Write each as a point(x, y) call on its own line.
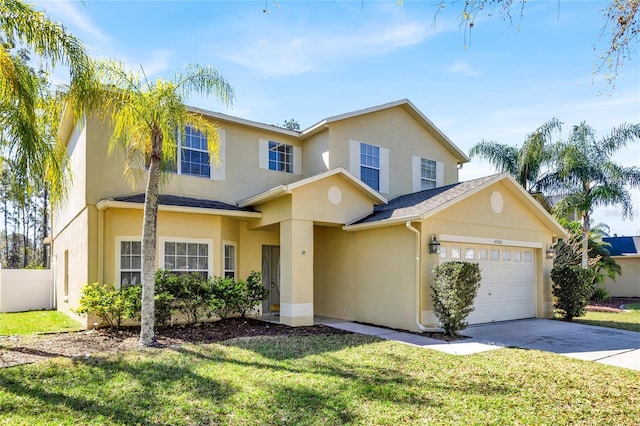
point(434, 244)
point(551, 253)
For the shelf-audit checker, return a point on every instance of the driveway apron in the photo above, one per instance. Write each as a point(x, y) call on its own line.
point(605, 345)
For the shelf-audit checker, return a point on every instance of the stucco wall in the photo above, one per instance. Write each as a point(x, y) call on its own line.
point(628, 283)
point(366, 276)
point(397, 131)
point(316, 158)
point(244, 177)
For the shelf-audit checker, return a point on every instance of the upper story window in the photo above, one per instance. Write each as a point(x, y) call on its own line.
point(426, 173)
point(192, 157)
point(428, 176)
point(280, 157)
point(370, 165)
point(194, 154)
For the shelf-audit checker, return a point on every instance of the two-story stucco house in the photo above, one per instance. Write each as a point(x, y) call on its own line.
point(339, 218)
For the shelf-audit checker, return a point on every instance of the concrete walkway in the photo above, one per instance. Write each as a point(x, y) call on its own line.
point(610, 346)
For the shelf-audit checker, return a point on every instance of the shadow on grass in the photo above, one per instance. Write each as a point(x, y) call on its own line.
point(629, 326)
point(90, 390)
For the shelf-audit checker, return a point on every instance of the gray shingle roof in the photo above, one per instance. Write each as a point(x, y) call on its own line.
point(417, 203)
point(175, 200)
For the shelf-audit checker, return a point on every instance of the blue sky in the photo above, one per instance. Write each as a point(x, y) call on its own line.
point(308, 60)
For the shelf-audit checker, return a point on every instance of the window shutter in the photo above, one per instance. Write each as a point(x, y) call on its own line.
point(218, 168)
point(297, 160)
point(264, 154)
point(384, 170)
point(439, 174)
point(416, 173)
point(354, 158)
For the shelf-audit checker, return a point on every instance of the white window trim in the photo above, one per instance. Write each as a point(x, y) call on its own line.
point(235, 258)
point(354, 163)
point(263, 156)
point(119, 240)
point(209, 242)
point(416, 175)
point(217, 171)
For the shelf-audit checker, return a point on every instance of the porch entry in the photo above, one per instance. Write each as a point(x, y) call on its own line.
point(271, 278)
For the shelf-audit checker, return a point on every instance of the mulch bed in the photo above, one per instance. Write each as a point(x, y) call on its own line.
point(17, 350)
point(611, 305)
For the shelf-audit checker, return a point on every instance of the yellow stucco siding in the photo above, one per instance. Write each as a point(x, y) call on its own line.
point(628, 283)
point(273, 212)
point(75, 200)
point(330, 200)
point(366, 276)
point(72, 243)
point(250, 247)
point(316, 158)
point(243, 176)
point(397, 131)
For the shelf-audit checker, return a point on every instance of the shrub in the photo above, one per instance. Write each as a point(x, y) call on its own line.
point(600, 294)
point(572, 289)
point(229, 296)
point(110, 304)
point(225, 296)
point(253, 293)
point(454, 289)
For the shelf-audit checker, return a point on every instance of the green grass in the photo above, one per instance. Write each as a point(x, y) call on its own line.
point(318, 380)
point(36, 322)
point(628, 320)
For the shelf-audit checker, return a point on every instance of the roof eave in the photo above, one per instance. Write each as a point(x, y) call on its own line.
point(113, 204)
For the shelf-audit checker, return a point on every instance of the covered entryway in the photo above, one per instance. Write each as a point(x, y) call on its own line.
point(508, 287)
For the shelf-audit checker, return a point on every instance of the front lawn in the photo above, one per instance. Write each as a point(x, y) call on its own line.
point(36, 322)
point(318, 380)
point(627, 320)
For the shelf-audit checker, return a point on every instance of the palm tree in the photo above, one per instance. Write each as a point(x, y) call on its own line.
point(28, 115)
point(525, 164)
point(588, 177)
point(147, 117)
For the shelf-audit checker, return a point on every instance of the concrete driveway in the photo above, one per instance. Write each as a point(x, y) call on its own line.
point(605, 345)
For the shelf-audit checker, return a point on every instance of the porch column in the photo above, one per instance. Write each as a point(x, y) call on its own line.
point(296, 272)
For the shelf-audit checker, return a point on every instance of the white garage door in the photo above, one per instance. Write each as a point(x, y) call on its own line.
point(507, 290)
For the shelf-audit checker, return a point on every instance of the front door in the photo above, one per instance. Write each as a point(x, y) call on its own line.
point(271, 278)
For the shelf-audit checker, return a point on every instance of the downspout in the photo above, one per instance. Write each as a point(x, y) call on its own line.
point(420, 326)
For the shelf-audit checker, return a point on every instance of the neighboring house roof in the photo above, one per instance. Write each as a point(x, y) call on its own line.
point(410, 108)
point(423, 204)
point(281, 190)
point(168, 202)
point(622, 246)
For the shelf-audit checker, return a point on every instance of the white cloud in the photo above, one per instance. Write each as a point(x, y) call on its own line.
point(462, 68)
point(69, 13)
point(294, 51)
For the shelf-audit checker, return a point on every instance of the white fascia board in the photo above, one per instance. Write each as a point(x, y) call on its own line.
point(381, 223)
point(264, 196)
point(107, 204)
point(244, 122)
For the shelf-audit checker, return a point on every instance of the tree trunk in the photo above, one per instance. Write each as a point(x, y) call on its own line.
point(147, 324)
point(585, 238)
point(45, 224)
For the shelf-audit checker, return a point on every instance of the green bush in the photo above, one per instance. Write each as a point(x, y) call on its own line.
point(454, 289)
point(253, 293)
point(572, 289)
point(240, 297)
point(600, 294)
point(110, 304)
point(225, 297)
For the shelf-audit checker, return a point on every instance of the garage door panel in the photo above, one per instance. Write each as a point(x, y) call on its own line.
point(507, 289)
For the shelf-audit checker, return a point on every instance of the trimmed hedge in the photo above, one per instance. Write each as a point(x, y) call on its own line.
point(572, 289)
point(454, 290)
